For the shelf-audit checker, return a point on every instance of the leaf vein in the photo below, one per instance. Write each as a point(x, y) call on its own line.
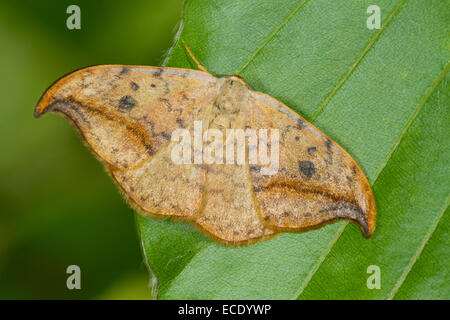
point(419, 250)
point(272, 35)
point(410, 121)
point(319, 262)
point(370, 44)
point(199, 250)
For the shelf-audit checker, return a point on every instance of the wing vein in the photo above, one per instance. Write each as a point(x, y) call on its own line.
point(255, 202)
point(203, 200)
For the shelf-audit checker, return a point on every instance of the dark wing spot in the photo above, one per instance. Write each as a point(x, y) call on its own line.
point(300, 123)
point(150, 150)
point(153, 85)
point(165, 135)
point(124, 70)
point(159, 72)
point(297, 138)
point(127, 103)
point(258, 188)
point(134, 86)
point(307, 168)
point(328, 143)
point(180, 122)
point(167, 102)
point(311, 150)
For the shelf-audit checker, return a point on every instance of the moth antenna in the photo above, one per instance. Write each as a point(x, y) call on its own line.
point(194, 59)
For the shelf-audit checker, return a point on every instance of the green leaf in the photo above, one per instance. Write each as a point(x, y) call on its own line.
point(429, 276)
point(381, 94)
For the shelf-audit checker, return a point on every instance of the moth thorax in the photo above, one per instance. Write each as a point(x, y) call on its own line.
point(233, 94)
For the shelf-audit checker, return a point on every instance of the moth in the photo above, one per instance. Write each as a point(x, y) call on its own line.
point(127, 116)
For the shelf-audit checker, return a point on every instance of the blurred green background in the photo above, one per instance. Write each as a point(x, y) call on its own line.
point(58, 206)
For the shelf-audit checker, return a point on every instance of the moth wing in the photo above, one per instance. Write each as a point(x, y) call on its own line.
point(126, 115)
point(317, 182)
point(229, 212)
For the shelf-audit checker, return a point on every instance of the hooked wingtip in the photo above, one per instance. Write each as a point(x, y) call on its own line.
point(47, 101)
point(42, 108)
point(37, 114)
point(39, 110)
point(367, 232)
point(369, 224)
point(53, 93)
point(365, 225)
point(368, 209)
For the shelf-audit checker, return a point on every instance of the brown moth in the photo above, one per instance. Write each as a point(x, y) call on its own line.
point(127, 115)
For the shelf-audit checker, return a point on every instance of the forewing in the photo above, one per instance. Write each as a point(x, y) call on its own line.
point(317, 181)
point(126, 115)
point(162, 187)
